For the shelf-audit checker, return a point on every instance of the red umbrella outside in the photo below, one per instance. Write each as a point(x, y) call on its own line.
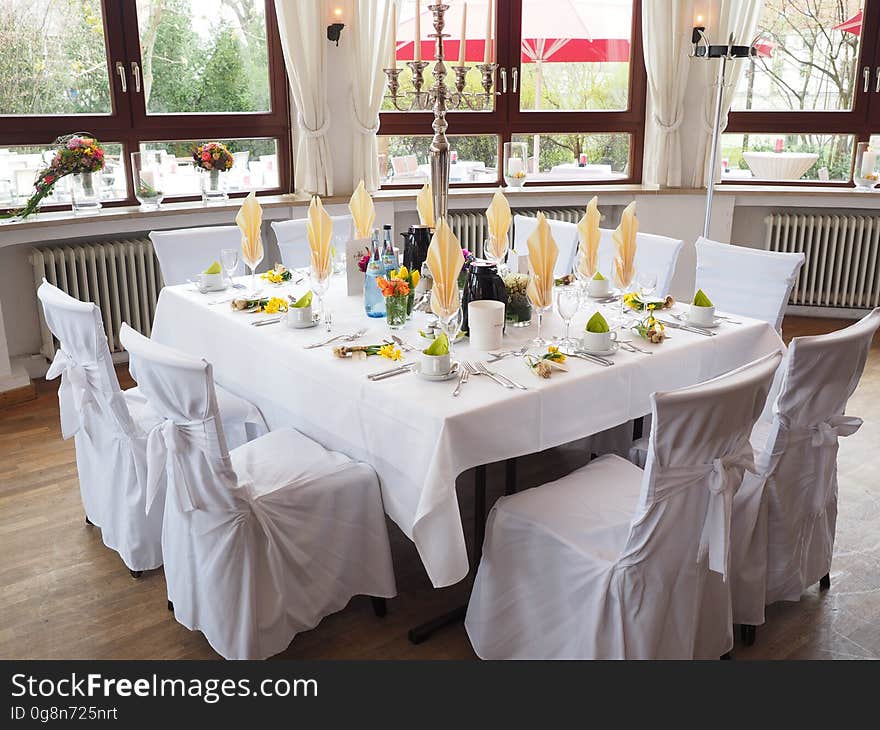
point(853, 25)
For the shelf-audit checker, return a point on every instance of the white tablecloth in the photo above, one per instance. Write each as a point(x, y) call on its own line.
point(416, 436)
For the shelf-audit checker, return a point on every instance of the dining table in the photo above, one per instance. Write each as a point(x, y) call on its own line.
point(416, 435)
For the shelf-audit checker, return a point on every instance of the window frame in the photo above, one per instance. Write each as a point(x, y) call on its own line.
point(129, 125)
point(508, 119)
point(860, 122)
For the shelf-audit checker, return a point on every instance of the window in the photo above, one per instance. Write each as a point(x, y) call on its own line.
point(143, 74)
point(571, 84)
point(809, 96)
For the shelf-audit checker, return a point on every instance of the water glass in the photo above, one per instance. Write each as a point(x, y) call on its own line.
point(319, 288)
point(229, 261)
point(647, 284)
point(568, 302)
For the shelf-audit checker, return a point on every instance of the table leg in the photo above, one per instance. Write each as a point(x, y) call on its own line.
point(638, 428)
point(423, 631)
point(510, 477)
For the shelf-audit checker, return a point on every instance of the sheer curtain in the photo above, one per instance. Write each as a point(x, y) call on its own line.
point(666, 35)
point(370, 49)
point(302, 26)
point(739, 17)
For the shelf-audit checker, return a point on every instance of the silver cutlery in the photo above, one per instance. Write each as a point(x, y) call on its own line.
point(405, 346)
point(508, 353)
point(462, 379)
point(262, 322)
point(221, 301)
point(336, 338)
point(390, 373)
point(482, 366)
point(687, 328)
point(591, 358)
point(683, 318)
point(475, 370)
point(627, 345)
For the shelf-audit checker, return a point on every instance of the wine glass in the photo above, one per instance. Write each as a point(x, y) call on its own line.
point(568, 301)
point(623, 279)
point(337, 252)
point(499, 261)
point(229, 260)
point(319, 285)
point(451, 325)
point(582, 272)
point(647, 283)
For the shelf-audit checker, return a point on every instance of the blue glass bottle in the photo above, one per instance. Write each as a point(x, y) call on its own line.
point(389, 260)
point(374, 302)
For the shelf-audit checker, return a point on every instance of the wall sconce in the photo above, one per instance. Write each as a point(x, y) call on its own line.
point(334, 30)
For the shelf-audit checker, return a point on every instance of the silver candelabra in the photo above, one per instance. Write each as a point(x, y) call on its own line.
point(440, 98)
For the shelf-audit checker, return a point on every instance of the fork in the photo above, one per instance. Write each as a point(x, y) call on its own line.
point(405, 346)
point(463, 378)
point(627, 345)
point(344, 338)
point(475, 370)
point(508, 353)
point(481, 366)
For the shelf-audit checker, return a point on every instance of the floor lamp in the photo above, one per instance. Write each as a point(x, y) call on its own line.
point(725, 53)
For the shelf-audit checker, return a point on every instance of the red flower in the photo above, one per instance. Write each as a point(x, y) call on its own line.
point(49, 179)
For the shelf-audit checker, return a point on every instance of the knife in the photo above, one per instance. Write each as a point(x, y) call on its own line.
point(686, 328)
point(592, 358)
point(381, 375)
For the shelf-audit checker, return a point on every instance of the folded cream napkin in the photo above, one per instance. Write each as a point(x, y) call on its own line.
point(543, 252)
point(362, 211)
point(625, 247)
point(425, 205)
point(498, 218)
point(588, 239)
point(249, 219)
point(320, 230)
point(445, 262)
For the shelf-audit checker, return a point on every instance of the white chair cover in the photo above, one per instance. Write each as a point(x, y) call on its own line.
point(655, 254)
point(565, 234)
point(747, 281)
point(785, 515)
point(184, 253)
point(613, 562)
point(293, 238)
point(107, 427)
point(263, 542)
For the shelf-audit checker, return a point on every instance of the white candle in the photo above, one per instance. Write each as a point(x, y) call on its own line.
point(463, 43)
point(487, 54)
point(393, 63)
point(417, 51)
point(514, 165)
point(869, 162)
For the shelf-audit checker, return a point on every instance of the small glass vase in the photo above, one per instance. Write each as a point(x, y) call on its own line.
point(147, 170)
point(516, 162)
point(519, 310)
point(866, 171)
point(85, 192)
point(410, 303)
point(396, 310)
point(213, 187)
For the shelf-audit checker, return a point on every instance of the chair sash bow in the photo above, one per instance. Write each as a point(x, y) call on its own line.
point(826, 433)
point(76, 390)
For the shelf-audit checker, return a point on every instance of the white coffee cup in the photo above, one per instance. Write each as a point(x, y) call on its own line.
point(598, 288)
point(209, 282)
point(704, 316)
point(598, 341)
point(485, 324)
point(299, 316)
point(435, 364)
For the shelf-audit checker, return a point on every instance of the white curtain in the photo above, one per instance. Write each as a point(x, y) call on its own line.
point(739, 17)
point(303, 29)
point(666, 35)
point(370, 52)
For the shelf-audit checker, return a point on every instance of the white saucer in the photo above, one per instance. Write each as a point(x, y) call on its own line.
point(458, 338)
point(417, 369)
point(610, 351)
point(684, 320)
point(303, 325)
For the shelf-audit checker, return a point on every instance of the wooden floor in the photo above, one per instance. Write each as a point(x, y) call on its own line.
point(64, 595)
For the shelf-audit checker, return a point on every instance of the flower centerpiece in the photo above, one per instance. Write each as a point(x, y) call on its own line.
point(77, 154)
point(396, 292)
point(543, 365)
point(270, 305)
point(651, 329)
point(519, 307)
point(212, 158)
point(278, 275)
point(412, 278)
point(362, 352)
point(634, 301)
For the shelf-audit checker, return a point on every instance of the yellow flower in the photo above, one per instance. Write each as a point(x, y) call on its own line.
point(390, 352)
point(275, 305)
point(415, 279)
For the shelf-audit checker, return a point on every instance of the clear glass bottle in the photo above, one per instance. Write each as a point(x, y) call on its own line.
point(374, 302)
point(389, 259)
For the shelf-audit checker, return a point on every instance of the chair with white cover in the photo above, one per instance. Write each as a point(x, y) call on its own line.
point(565, 234)
point(654, 254)
point(263, 541)
point(615, 562)
point(293, 238)
point(185, 252)
point(785, 515)
point(751, 282)
point(108, 428)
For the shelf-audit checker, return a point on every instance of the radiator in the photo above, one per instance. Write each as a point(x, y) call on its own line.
point(472, 230)
point(842, 265)
point(121, 276)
